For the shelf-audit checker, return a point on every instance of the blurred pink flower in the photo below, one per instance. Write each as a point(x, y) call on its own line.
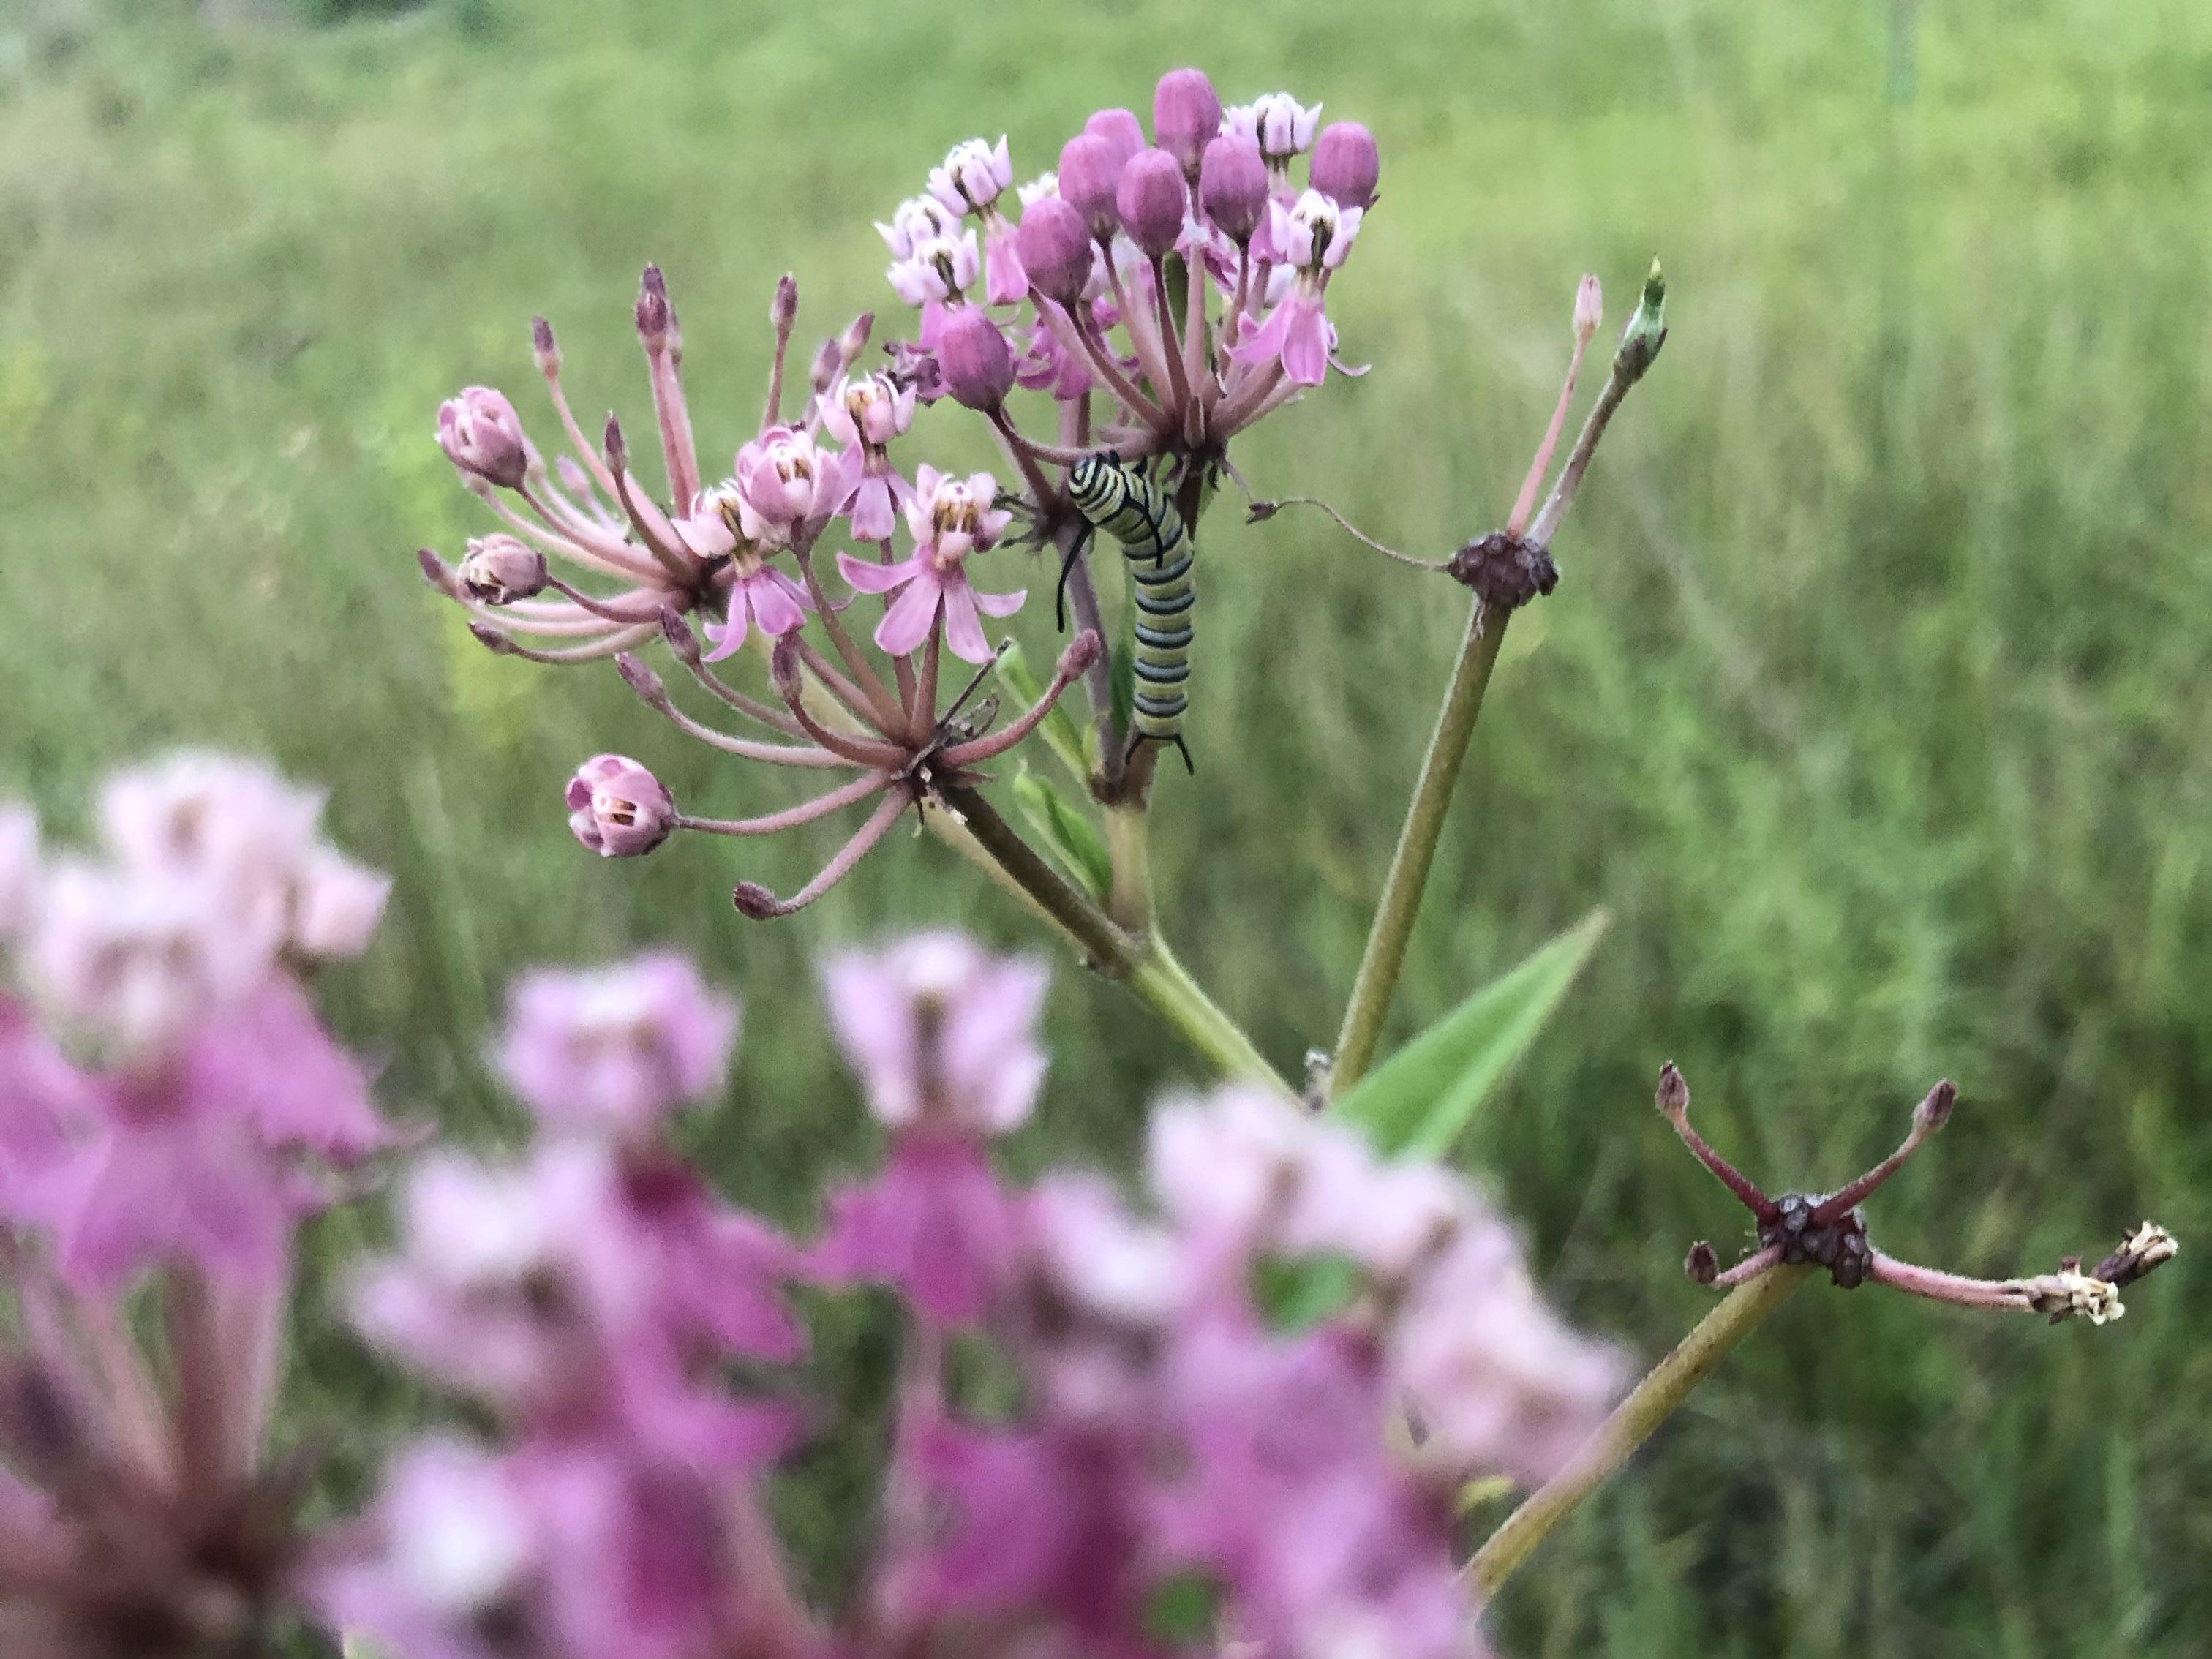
point(614, 1050)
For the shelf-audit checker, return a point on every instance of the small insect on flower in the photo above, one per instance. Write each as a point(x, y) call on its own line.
point(1136, 513)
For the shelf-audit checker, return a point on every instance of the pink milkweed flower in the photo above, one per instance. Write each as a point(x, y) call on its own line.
point(864, 413)
point(950, 518)
point(758, 593)
point(1280, 125)
point(918, 220)
point(481, 434)
point(937, 275)
point(1186, 113)
point(618, 808)
point(972, 176)
point(1043, 186)
point(941, 1032)
point(970, 180)
point(934, 1222)
point(786, 486)
point(614, 1051)
point(1345, 165)
point(1313, 237)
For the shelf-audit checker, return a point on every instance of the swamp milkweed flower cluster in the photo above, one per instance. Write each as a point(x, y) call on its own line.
point(1232, 1408)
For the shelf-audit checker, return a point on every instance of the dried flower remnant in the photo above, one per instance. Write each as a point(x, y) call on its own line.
point(1828, 1230)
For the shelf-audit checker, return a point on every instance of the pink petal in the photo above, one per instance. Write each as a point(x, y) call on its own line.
point(999, 604)
point(726, 639)
point(1305, 344)
point(908, 623)
point(964, 631)
point(776, 607)
point(1004, 281)
point(867, 577)
point(1265, 343)
point(873, 512)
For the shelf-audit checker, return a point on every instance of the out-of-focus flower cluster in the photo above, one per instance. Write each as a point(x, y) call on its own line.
point(1172, 1426)
point(1161, 297)
point(171, 1111)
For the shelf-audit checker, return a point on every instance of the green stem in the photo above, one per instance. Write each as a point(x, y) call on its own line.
point(1140, 960)
point(1128, 841)
point(1600, 1456)
point(1417, 849)
point(1166, 987)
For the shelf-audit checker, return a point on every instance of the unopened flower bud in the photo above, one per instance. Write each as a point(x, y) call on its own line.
point(1186, 116)
point(542, 348)
point(1345, 165)
point(1083, 650)
point(1153, 201)
point(1701, 1264)
point(1589, 309)
point(1647, 329)
point(1090, 177)
point(1934, 1112)
point(755, 901)
point(1123, 132)
point(783, 310)
point(855, 340)
point(656, 318)
point(618, 808)
point(612, 441)
point(783, 668)
point(973, 357)
point(1232, 185)
point(1673, 1092)
point(437, 573)
point(828, 363)
point(481, 435)
point(1056, 250)
point(641, 679)
point(499, 569)
point(493, 641)
point(682, 641)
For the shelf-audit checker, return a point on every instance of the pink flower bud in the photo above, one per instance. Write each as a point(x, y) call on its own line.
point(1589, 309)
point(1123, 133)
point(542, 348)
point(1186, 116)
point(1232, 185)
point(618, 808)
point(1153, 200)
point(656, 318)
point(481, 435)
point(973, 357)
point(499, 569)
point(783, 310)
point(1345, 165)
point(1056, 250)
point(1089, 173)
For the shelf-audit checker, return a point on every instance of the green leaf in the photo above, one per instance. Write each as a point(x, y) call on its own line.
point(1061, 731)
point(1295, 1294)
point(1416, 1102)
point(1183, 1609)
point(1071, 837)
point(1124, 684)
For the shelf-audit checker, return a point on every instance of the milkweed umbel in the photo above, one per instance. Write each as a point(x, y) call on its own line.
point(1135, 513)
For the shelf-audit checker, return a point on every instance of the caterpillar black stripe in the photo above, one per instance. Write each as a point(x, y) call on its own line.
point(1135, 513)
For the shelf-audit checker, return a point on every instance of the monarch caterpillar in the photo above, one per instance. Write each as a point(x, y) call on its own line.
point(1132, 510)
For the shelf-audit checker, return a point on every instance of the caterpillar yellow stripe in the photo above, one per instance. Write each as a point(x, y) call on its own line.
point(1135, 513)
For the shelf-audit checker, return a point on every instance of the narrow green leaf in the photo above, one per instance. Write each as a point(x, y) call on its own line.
point(1070, 836)
point(1416, 1102)
point(1061, 731)
point(1124, 684)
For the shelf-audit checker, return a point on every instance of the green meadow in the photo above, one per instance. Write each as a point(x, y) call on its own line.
point(1873, 703)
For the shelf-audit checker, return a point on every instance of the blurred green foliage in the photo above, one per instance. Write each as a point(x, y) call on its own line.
point(1873, 703)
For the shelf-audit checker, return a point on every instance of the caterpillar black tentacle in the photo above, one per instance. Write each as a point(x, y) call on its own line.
point(1135, 513)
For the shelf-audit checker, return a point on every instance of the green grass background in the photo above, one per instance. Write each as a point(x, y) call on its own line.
point(1873, 701)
